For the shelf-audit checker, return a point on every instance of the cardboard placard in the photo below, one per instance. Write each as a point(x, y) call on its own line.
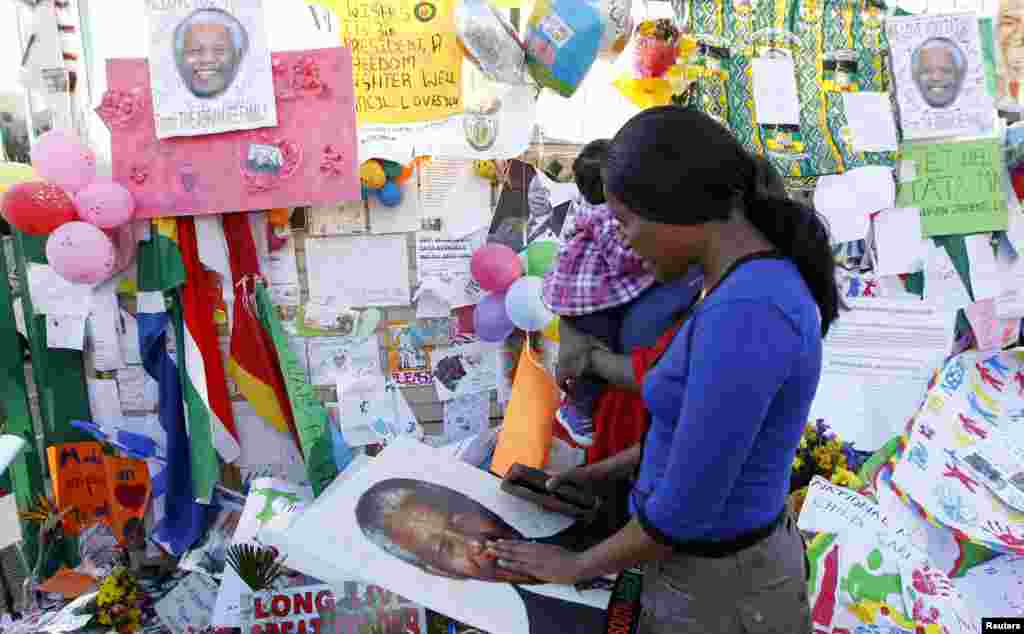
point(99, 488)
point(309, 158)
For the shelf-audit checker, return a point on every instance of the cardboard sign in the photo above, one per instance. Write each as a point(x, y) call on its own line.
point(99, 488)
point(129, 491)
point(309, 158)
point(317, 609)
point(79, 483)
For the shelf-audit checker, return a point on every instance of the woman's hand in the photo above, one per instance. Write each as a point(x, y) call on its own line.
point(580, 477)
point(545, 562)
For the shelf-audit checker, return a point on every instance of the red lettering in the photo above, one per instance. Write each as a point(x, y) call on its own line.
point(261, 612)
point(256, 629)
point(272, 628)
point(314, 624)
point(280, 605)
point(411, 616)
point(286, 627)
point(303, 603)
point(325, 601)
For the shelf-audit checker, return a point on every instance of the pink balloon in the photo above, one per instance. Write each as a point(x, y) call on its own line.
point(495, 267)
point(62, 159)
point(105, 204)
point(81, 253)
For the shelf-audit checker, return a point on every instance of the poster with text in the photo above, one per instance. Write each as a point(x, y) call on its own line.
point(356, 607)
point(210, 67)
point(939, 70)
point(407, 69)
point(453, 504)
point(957, 186)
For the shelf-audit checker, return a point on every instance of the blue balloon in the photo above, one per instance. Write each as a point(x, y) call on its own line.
point(390, 195)
point(524, 304)
point(490, 321)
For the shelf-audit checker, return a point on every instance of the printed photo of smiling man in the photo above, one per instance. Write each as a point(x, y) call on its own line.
point(939, 68)
point(210, 67)
point(209, 46)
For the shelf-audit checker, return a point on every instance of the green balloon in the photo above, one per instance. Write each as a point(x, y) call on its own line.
point(540, 257)
point(392, 169)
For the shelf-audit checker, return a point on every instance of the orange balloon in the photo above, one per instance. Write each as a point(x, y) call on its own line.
point(280, 217)
point(405, 175)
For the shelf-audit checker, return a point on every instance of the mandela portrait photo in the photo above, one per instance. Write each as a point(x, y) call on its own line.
point(939, 67)
point(209, 47)
point(434, 528)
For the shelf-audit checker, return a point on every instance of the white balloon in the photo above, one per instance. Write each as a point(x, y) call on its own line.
point(524, 304)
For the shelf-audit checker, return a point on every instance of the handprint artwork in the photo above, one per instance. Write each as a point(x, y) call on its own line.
point(952, 467)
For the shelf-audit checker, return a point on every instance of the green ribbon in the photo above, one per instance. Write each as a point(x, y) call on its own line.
point(311, 419)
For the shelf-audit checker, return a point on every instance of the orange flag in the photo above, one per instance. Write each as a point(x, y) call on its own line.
point(526, 433)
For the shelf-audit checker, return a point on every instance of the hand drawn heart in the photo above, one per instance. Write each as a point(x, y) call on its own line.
point(131, 496)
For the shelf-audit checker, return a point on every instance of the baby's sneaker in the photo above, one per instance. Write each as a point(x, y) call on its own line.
point(579, 426)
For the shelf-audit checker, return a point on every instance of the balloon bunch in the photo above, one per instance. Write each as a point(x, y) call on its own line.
point(383, 179)
point(514, 300)
point(86, 218)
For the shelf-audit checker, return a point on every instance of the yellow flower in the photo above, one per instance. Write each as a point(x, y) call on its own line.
point(803, 442)
point(798, 463)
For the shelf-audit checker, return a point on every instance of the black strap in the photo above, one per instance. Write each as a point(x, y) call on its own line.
point(719, 549)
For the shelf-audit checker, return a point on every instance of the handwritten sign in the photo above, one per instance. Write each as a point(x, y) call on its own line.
point(957, 186)
point(99, 488)
point(128, 494)
point(406, 61)
point(318, 609)
point(835, 509)
point(79, 484)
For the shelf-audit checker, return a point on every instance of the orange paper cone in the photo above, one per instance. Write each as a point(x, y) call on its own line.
point(526, 433)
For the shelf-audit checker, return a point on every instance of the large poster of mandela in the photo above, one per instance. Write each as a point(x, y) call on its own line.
point(210, 67)
point(413, 521)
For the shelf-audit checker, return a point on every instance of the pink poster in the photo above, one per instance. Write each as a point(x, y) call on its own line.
point(309, 158)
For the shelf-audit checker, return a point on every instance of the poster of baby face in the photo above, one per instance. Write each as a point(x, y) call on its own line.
point(210, 67)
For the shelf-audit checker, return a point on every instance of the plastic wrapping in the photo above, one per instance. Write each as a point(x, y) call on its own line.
point(489, 41)
point(562, 41)
point(655, 64)
point(617, 16)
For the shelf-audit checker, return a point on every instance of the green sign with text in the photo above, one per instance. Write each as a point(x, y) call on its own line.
point(957, 186)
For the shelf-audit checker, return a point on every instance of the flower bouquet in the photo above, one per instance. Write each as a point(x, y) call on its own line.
point(120, 601)
point(823, 453)
point(657, 46)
